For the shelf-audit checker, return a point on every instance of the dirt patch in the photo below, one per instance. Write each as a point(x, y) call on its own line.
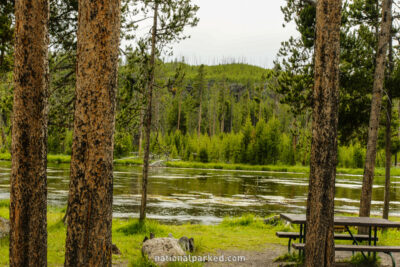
point(266, 257)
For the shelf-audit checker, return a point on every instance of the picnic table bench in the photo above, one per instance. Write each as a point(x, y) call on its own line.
point(371, 223)
point(295, 235)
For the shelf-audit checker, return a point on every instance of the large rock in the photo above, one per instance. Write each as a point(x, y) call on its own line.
point(4, 227)
point(159, 250)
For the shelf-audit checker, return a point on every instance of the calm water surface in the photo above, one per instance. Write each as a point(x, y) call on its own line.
point(206, 196)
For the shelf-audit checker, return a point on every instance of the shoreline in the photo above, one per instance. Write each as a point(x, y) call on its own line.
point(66, 159)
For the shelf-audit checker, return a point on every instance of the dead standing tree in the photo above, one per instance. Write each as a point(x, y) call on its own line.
point(169, 20)
point(368, 177)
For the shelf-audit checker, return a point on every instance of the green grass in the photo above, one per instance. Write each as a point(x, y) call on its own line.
point(128, 161)
point(276, 168)
point(245, 167)
point(59, 159)
point(248, 232)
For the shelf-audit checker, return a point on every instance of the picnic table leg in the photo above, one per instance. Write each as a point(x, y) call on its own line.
point(301, 238)
point(391, 256)
point(355, 241)
point(305, 233)
point(369, 239)
point(301, 233)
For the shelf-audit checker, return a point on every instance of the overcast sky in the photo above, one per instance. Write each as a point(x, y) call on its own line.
point(244, 30)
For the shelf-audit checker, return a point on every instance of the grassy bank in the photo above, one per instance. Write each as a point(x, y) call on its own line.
point(58, 159)
point(276, 168)
point(244, 233)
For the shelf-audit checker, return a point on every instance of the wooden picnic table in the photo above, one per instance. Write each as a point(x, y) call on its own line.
point(346, 221)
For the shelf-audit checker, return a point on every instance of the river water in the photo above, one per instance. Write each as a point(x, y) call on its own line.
point(207, 196)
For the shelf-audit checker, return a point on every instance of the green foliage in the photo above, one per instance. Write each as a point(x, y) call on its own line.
point(6, 35)
point(122, 144)
point(203, 155)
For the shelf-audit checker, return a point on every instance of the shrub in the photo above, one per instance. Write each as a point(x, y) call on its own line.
point(203, 155)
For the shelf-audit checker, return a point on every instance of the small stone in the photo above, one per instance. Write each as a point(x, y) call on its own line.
point(115, 250)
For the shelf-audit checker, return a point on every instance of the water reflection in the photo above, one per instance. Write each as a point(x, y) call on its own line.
point(206, 196)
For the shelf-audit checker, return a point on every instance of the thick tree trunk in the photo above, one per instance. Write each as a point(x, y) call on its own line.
point(88, 241)
point(147, 121)
point(368, 177)
point(319, 249)
point(28, 196)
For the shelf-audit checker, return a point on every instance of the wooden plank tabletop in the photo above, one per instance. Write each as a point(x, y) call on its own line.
point(342, 220)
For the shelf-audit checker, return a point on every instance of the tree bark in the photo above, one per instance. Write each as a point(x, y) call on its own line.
point(28, 196)
point(147, 120)
point(368, 177)
point(388, 135)
point(319, 248)
point(388, 159)
point(88, 241)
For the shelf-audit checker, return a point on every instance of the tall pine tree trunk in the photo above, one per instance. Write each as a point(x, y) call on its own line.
point(319, 248)
point(28, 196)
point(147, 121)
point(388, 136)
point(368, 177)
point(88, 241)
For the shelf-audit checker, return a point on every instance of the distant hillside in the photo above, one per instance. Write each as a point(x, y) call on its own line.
point(232, 73)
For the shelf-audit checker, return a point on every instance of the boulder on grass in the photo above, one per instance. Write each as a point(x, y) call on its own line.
point(157, 249)
point(4, 227)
